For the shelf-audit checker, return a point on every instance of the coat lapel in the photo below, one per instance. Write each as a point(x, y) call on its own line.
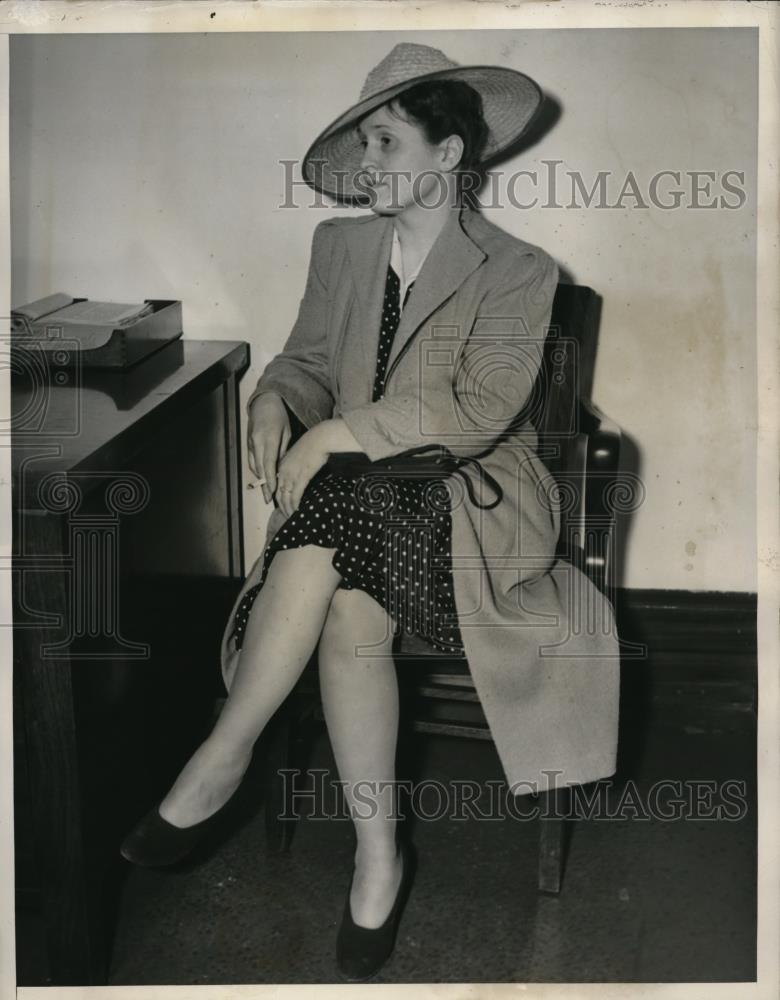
point(451, 259)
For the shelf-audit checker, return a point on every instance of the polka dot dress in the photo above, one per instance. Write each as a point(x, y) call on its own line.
point(392, 534)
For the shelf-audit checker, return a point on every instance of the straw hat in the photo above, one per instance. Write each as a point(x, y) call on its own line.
point(509, 102)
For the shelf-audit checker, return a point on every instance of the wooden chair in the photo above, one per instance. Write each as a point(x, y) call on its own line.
point(581, 448)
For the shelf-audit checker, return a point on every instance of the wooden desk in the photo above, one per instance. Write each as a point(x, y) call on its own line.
point(127, 555)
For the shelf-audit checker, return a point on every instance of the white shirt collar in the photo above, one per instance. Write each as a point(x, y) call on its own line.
point(397, 264)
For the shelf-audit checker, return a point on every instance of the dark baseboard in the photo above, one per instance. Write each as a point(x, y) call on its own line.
point(700, 669)
point(684, 621)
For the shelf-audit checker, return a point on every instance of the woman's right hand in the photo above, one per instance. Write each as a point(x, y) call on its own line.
point(268, 436)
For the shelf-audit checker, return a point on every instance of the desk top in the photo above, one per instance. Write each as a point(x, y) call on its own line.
point(67, 420)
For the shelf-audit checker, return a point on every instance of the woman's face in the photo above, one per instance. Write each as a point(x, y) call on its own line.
point(401, 167)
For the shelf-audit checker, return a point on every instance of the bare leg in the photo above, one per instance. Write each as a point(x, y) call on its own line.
point(281, 633)
point(360, 704)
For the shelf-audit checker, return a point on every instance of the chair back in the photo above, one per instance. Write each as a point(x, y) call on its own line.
point(564, 375)
point(555, 407)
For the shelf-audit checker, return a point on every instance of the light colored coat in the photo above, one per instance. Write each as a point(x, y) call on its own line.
point(540, 639)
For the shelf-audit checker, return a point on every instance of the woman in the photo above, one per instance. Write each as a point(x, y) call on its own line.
point(420, 328)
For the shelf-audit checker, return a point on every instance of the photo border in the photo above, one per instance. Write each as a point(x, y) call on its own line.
point(59, 16)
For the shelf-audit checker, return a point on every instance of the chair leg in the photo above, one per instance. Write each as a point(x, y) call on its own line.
point(555, 810)
point(280, 756)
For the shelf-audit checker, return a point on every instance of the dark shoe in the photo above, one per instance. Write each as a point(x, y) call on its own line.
point(154, 842)
point(362, 951)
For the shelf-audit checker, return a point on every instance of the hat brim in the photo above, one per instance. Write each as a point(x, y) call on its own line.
point(510, 100)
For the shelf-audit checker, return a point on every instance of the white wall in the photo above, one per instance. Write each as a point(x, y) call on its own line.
point(147, 166)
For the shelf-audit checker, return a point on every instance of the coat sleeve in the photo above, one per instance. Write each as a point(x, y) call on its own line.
point(300, 373)
point(472, 383)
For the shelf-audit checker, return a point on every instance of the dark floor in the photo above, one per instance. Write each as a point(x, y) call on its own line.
point(642, 900)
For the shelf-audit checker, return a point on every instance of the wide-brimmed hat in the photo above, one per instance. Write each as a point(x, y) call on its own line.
point(510, 100)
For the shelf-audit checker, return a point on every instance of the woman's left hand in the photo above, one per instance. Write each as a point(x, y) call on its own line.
point(297, 467)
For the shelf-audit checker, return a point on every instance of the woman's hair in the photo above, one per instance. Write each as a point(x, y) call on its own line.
point(448, 107)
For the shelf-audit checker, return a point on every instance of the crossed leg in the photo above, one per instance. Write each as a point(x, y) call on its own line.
point(282, 631)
